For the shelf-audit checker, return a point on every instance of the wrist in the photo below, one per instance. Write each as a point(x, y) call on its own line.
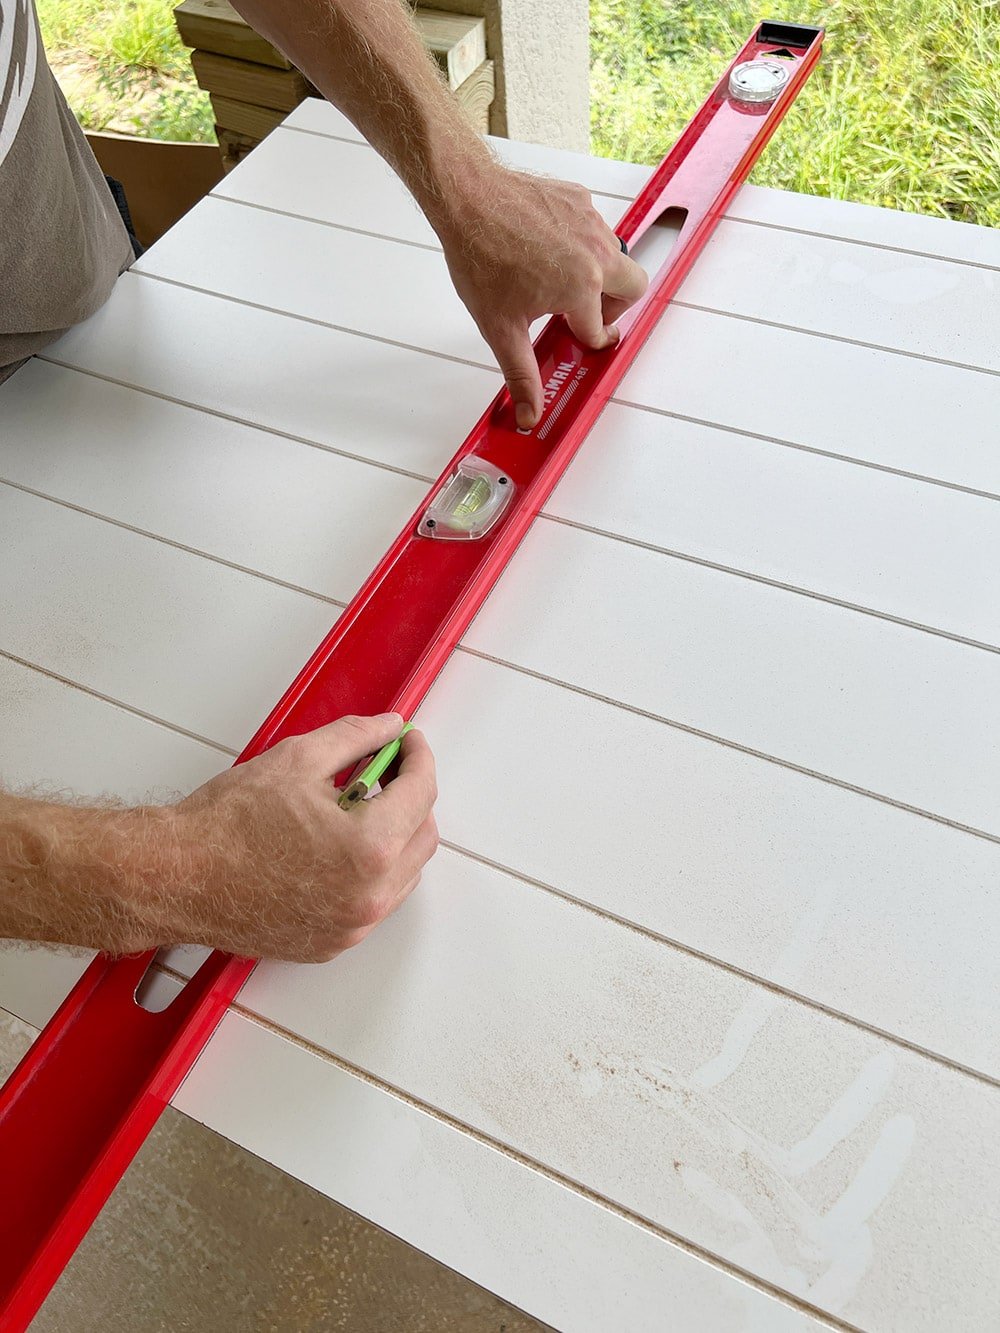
point(454, 195)
point(178, 869)
point(131, 860)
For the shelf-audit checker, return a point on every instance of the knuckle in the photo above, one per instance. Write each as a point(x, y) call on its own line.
point(593, 275)
point(368, 911)
point(518, 379)
point(292, 749)
point(351, 722)
point(374, 858)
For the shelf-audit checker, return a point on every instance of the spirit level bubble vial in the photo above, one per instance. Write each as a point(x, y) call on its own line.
point(473, 499)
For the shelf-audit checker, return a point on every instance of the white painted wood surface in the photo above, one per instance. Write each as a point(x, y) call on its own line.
point(721, 1055)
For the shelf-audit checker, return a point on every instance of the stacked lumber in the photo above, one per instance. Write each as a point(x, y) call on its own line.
point(253, 86)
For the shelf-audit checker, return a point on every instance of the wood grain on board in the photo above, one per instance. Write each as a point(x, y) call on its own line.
point(214, 25)
point(244, 81)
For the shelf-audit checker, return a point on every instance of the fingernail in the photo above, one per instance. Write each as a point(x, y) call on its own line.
point(613, 334)
point(391, 719)
point(524, 415)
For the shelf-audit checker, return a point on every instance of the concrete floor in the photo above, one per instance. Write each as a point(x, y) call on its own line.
point(201, 1235)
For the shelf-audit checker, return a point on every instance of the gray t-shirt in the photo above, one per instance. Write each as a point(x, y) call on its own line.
point(62, 241)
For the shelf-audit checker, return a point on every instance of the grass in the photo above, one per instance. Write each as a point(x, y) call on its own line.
point(123, 67)
point(903, 111)
point(136, 35)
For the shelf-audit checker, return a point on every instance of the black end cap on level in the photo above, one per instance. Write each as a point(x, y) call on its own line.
point(787, 34)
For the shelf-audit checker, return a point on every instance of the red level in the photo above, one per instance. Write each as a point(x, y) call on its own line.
point(77, 1108)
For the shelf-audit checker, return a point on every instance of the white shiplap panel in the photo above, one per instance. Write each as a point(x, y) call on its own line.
point(347, 279)
point(185, 639)
point(574, 1265)
point(299, 173)
point(400, 407)
point(926, 307)
point(894, 710)
point(891, 709)
point(899, 712)
point(303, 174)
point(34, 980)
point(295, 513)
point(916, 233)
point(409, 409)
point(600, 174)
point(57, 738)
point(907, 303)
point(786, 1142)
point(933, 307)
point(904, 301)
point(864, 908)
point(914, 551)
point(729, 893)
point(53, 729)
point(801, 1062)
point(735, 1096)
point(896, 412)
point(861, 223)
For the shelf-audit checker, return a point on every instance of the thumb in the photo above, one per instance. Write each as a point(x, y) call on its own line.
point(516, 358)
point(341, 744)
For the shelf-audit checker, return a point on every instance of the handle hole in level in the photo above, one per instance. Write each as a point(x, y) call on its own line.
point(656, 244)
point(157, 989)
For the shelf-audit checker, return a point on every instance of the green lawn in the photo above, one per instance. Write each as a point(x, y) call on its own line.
point(903, 110)
point(122, 67)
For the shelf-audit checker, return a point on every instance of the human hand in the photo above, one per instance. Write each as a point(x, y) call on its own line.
point(270, 866)
point(520, 246)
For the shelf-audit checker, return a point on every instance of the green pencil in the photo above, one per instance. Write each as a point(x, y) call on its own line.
point(360, 785)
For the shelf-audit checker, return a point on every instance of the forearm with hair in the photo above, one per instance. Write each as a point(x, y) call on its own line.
point(366, 57)
point(84, 875)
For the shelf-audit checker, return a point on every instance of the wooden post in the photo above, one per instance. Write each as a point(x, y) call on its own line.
point(542, 57)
